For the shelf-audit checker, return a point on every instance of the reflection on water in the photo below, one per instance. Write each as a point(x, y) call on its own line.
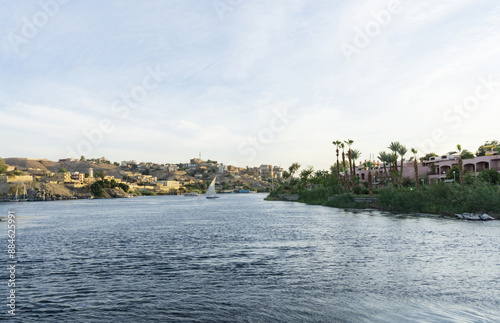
point(240, 258)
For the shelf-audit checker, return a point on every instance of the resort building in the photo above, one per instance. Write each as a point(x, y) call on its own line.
point(440, 166)
point(436, 168)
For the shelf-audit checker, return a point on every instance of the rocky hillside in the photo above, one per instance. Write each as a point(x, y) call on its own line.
point(73, 166)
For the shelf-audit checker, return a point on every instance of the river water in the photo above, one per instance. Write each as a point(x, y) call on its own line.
point(241, 259)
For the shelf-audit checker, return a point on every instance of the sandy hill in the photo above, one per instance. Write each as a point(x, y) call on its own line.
point(73, 166)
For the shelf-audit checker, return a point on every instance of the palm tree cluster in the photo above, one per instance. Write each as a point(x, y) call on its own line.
point(348, 174)
point(342, 175)
point(397, 150)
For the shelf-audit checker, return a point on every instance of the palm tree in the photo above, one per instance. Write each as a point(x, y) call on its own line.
point(305, 176)
point(369, 165)
point(415, 165)
point(355, 154)
point(343, 163)
point(460, 165)
point(337, 144)
point(394, 147)
point(349, 142)
point(384, 158)
point(402, 151)
point(285, 175)
point(291, 170)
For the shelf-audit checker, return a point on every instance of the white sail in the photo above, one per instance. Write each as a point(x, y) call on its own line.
point(211, 189)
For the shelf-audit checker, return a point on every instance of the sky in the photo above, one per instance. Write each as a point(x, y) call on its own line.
point(246, 82)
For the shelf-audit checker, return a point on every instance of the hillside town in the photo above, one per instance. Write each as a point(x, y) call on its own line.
point(68, 178)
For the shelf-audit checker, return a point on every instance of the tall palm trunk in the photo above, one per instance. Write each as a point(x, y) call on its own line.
point(350, 169)
point(460, 165)
point(415, 165)
point(343, 163)
point(461, 170)
point(370, 181)
point(338, 170)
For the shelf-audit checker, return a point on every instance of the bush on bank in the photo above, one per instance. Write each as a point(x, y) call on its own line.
point(480, 197)
point(443, 199)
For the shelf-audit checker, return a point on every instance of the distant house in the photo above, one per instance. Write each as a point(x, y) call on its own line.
point(168, 185)
point(172, 168)
point(77, 176)
point(128, 162)
point(63, 177)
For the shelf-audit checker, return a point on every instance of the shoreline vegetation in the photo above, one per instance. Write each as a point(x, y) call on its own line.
point(341, 188)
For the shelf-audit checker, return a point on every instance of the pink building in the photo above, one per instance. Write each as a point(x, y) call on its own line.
point(378, 173)
point(443, 165)
point(436, 168)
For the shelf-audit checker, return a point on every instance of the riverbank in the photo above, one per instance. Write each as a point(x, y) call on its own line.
point(470, 202)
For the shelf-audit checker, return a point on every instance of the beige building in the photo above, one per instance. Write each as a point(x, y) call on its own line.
point(170, 184)
point(63, 177)
point(15, 179)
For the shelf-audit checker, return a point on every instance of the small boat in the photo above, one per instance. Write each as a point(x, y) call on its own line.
point(191, 194)
point(211, 190)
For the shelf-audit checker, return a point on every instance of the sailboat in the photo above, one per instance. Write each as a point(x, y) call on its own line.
point(211, 190)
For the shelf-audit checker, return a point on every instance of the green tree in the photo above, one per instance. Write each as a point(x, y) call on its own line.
point(293, 169)
point(100, 174)
point(62, 170)
point(453, 173)
point(467, 155)
point(460, 165)
point(490, 176)
point(369, 165)
point(427, 157)
point(394, 147)
point(124, 187)
point(349, 143)
point(402, 152)
point(305, 176)
point(415, 166)
point(97, 189)
point(3, 168)
point(337, 145)
point(385, 159)
point(343, 164)
point(481, 151)
point(355, 154)
point(82, 158)
point(321, 177)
